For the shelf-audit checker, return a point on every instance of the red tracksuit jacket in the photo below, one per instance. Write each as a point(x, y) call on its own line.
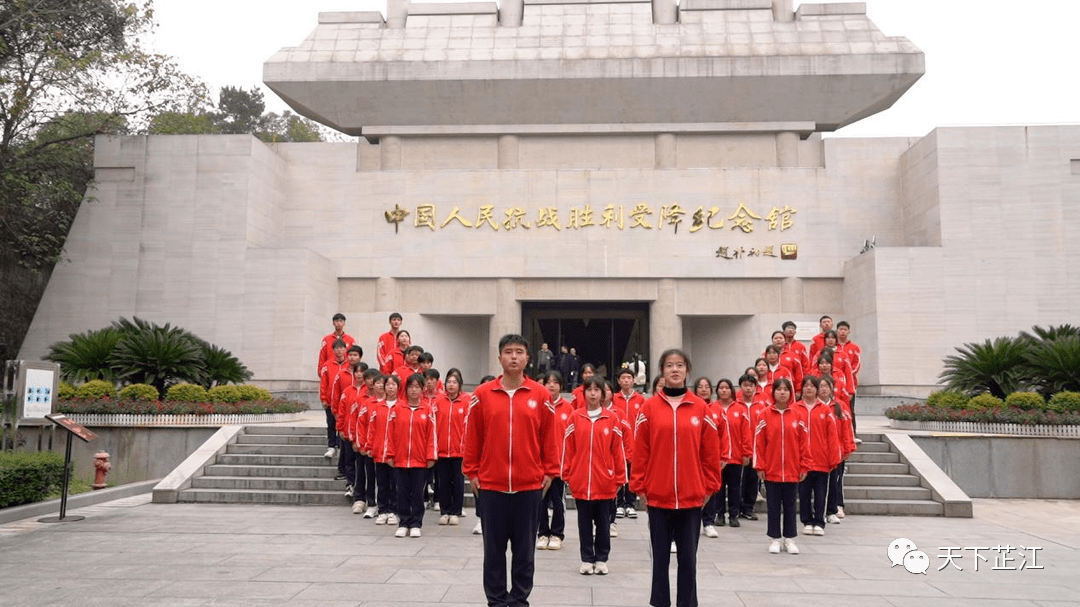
point(845, 433)
point(780, 451)
point(412, 437)
point(450, 423)
point(594, 461)
point(821, 438)
point(629, 408)
point(379, 430)
point(676, 453)
point(740, 432)
point(563, 410)
point(326, 351)
point(384, 350)
point(716, 412)
point(328, 373)
point(511, 444)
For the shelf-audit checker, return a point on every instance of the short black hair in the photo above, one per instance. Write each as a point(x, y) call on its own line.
point(823, 318)
point(843, 323)
point(625, 371)
point(413, 348)
point(357, 349)
point(788, 323)
point(425, 357)
point(746, 377)
point(339, 343)
point(513, 338)
point(554, 375)
point(394, 315)
point(431, 374)
point(338, 316)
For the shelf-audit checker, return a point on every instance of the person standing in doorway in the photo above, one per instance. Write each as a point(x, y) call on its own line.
point(511, 454)
point(545, 361)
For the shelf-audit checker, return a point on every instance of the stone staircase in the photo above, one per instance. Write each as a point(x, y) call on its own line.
point(271, 465)
point(878, 482)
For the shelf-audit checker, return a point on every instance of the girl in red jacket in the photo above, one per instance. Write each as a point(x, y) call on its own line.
point(676, 466)
point(378, 443)
point(594, 465)
point(781, 457)
point(552, 529)
point(411, 451)
point(824, 456)
point(834, 506)
point(450, 409)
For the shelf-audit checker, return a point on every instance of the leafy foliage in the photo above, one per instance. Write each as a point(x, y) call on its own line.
point(1065, 402)
point(157, 356)
point(191, 393)
point(994, 366)
point(1054, 364)
point(239, 111)
point(249, 392)
point(29, 477)
point(96, 388)
point(1025, 400)
point(1006, 415)
point(177, 407)
point(65, 390)
point(139, 392)
point(947, 399)
point(87, 355)
point(220, 366)
point(224, 394)
point(985, 401)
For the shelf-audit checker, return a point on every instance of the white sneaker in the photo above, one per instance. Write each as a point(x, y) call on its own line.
point(600, 568)
point(614, 530)
point(392, 519)
point(329, 453)
point(554, 543)
point(542, 542)
point(774, 547)
point(401, 532)
point(348, 491)
point(790, 547)
point(674, 548)
point(478, 529)
point(858, 441)
point(371, 512)
point(381, 519)
point(586, 569)
point(630, 512)
point(819, 530)
point(808, 530)
point(710, 531)
point(444, 519)
point(414, 532)
point(358, 507)
point(832, 519)
point(620, 512)
point(839, 512)
point(454, 520)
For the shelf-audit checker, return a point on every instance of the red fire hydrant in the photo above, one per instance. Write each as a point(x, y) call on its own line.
point(102, 467)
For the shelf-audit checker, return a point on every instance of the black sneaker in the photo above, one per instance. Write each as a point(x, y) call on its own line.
point(720, 521)
point(750, 517)
point(735, 522)
point(339, 477)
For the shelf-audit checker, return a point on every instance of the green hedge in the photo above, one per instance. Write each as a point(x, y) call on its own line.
point(96, 388)
point(1067, 402)
point(139, 392)
point(188, 393)
point(29, 477)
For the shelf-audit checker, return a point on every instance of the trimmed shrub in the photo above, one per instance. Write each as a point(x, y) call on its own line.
point(250, 392)
point(139, 392)
point(985, 401)
point(947, 399)
point(1065, 402)
point(65, 390)
point(29, 477)
point(1025, 400)
point(96, 388)
point(224, 394)
point(189, 393)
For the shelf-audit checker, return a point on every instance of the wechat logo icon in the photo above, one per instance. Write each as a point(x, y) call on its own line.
point(903, 551)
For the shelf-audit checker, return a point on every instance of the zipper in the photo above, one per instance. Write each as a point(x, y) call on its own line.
point(592, 432)
point(675, 442)
point(510, 447)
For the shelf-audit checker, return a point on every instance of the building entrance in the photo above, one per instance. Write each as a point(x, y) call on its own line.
point(604, 334)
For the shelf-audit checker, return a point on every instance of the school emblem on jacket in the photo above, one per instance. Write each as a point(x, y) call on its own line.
point(461, 410)
point(423, 416)
point(694, 421)
point(532, 404)
point(564, 416)
point(607, 431)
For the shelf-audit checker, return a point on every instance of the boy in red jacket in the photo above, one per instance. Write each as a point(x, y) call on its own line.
point(552, 530)
point(511, 455)
point(411, 451)
point(627, 401)
point(821, 440)
point(594, 465)
point(781, 457)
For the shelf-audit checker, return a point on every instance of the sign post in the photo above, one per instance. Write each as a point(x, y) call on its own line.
point(73, 429)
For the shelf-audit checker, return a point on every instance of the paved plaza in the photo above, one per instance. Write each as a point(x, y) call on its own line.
point(132, 552)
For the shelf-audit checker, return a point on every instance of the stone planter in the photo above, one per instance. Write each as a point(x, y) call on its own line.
point(986, 428)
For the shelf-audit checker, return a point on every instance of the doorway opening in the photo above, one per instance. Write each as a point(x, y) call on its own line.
point(606, 334)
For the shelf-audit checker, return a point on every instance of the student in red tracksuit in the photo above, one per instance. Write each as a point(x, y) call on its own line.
point(627, 401)
point(346, 463)
point(754, 404)
point(353, 399)
point(714, 505)
point(387, 344)
point(411, 452)
point(552, 530)
point(328, 372)
point(397, 355)
point(451, 407)
point(821, 440)
point(577, 397)
point(511, 455)
point(740, 441)
point(326, 350)
point(676, 467)
point(818, 341)
point(834, 506)
point(379, 443)
point(594, 465)
point(789, 360)
point(364, 483)
point(763, 387)
point(781, 457)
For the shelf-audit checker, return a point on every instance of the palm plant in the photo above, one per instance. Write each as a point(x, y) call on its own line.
point(997, 367)
point(87, 355)
point(1054, 364)
point(1050, 333)
point(221, 367)
point(158, 356)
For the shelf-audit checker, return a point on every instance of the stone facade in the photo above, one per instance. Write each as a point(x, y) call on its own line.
point(255, 246)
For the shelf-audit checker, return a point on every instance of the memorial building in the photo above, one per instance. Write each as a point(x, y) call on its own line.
point(618, 176)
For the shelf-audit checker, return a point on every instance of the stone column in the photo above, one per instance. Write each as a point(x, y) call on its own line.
point(390, 152)
point(508, 152)
point(507, 317)
point(511, 13)
point(665, 325)
point(664, 12)
point(787, 149)
point(665, 148)
point(386, 294)
point(397, 13)
point(783, 10)
point(791, 296)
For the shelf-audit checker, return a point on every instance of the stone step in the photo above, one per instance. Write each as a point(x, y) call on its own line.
point(243, 496)
point(872, 468)
point(879, 480)
point(255, 459)
point(323, 471)
point(282, 439)
point(278, 449)
point(874, 457)
point(872, 446)
point(870, 438)
point(257, 483)
point(886, 493)
point(294, 430)
point(893, 507)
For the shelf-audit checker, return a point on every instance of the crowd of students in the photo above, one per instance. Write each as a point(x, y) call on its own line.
point(690, 453)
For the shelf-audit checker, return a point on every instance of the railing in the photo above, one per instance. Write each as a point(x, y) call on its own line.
point(988, 428)
point(190, 419)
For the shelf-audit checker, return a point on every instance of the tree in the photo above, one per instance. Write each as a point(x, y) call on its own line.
point(289, 127)
point(240, 111)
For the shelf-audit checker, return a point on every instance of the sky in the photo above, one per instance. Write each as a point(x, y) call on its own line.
point(988, 62)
